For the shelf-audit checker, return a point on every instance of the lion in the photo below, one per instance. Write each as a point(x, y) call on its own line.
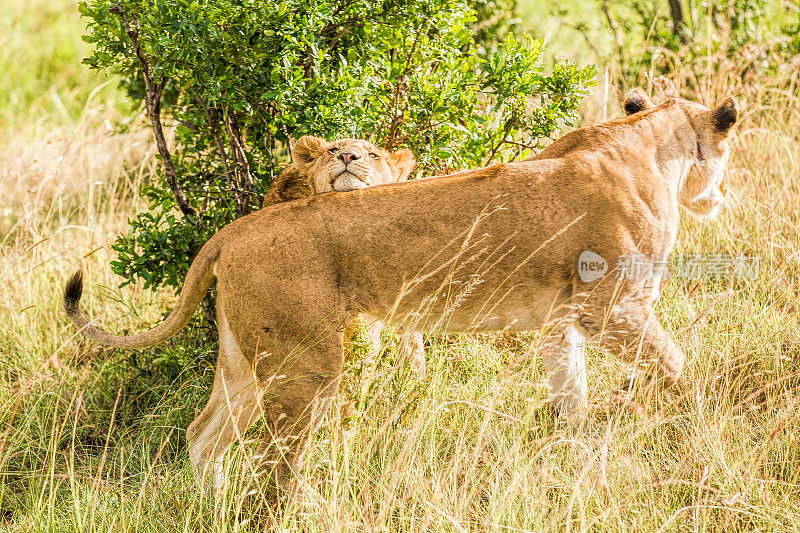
point(321, 166)
point(498, 248)
point(344, 165)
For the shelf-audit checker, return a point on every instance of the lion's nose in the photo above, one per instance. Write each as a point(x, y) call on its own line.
point(347, 157)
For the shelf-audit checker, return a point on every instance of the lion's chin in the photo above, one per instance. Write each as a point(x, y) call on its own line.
point(709, 204)
point(704, 207)
point(348, 182)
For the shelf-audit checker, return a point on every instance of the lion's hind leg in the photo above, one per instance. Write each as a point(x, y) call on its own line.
point(233, 406)
point(290, 388)
point(294, 409)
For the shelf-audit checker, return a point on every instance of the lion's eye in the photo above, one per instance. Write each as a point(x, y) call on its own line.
point(374, 155)
point(333, 150)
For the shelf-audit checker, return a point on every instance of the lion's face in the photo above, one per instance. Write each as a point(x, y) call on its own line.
point(703, 190)
point(348, 164)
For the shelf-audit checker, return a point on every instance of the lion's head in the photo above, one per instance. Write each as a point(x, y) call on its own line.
point(348, 164)
point(344, 165)
point(704, 189)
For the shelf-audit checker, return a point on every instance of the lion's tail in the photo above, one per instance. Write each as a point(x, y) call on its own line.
point(197, 282)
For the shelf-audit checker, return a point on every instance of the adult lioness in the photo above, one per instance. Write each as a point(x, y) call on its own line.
point(321, 166)
point(497, 248)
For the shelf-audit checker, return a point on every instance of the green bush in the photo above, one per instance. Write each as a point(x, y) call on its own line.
point(241, 78)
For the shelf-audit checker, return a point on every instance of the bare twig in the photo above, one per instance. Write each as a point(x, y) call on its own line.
point(489, 22)
point(244, 178)
point(212, 116)
point(679, 28)
point(619, 42)
point(189, 125)
point(345, 27)
point(581, 29)
point(152, 100)
point(400, 88)
point(506, 130)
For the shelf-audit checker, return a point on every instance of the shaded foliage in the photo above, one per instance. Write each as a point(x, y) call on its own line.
point(243, 78)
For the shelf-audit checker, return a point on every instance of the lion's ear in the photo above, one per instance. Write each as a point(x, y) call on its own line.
point(725, 116)
point(636, 101)
point(402, 163)
point(306, 150)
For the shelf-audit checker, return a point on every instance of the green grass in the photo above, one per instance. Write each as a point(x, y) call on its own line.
point(94, 440)
point(44, 83)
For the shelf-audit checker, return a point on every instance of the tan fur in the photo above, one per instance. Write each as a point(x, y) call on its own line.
point(289, 185)
point(318, 168)
point(316, 177)
point(488, 250)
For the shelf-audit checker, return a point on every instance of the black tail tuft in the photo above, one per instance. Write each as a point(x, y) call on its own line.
point(73, 291)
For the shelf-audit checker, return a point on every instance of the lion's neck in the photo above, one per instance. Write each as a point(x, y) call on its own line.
point(674, 146)
point(663, 139)
point(662, 135)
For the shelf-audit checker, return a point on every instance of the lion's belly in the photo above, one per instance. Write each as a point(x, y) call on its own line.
point(517, 309)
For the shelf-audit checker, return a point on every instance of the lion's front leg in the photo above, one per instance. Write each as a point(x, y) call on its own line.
point(411, 345)
point(412, 349)
point(374, 329)
point(625, 324)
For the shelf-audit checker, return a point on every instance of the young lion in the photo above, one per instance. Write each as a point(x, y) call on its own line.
point(493, 249)
point(345, 165)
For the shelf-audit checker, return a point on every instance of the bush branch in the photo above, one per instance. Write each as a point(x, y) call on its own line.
point(152, 100)
point(212, 117)
point(244, 177)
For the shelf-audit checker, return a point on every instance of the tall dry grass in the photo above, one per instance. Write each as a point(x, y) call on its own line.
point(92, 440)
